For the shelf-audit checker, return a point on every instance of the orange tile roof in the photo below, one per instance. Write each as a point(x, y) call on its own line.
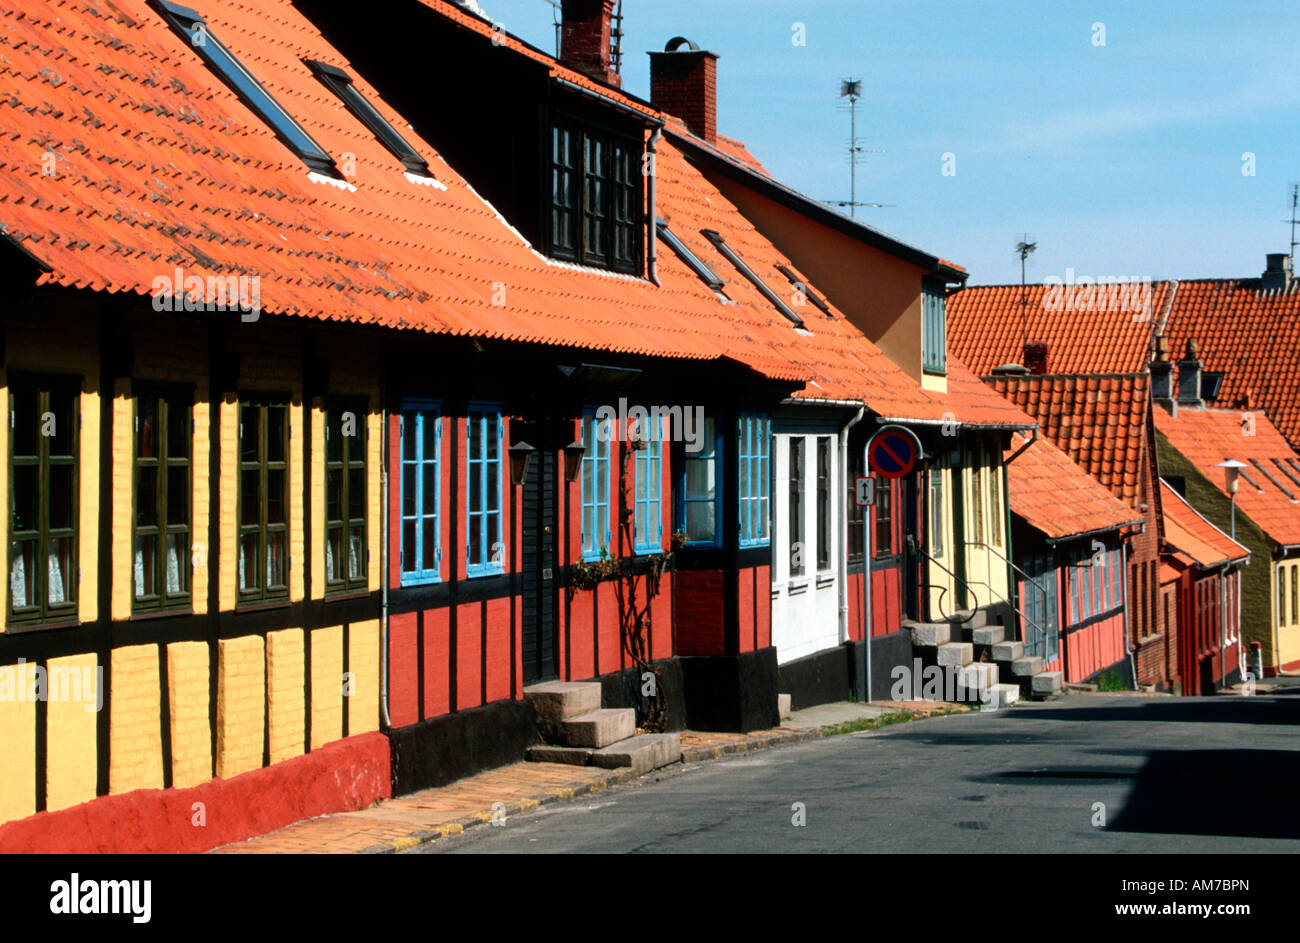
point(160, 166)
point(1187, 531)
point(1251, 336)
point(1099, 421)
point(987, 327)
point(1206, 437)
point(1057, 497)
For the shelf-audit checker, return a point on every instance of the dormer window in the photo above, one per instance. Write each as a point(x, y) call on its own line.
point(934, 330)
point(340, 83)
point(595, 198)
point(190, 27)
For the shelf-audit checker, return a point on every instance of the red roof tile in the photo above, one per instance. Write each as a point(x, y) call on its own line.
point(1057, 497)
point(160, 166)
point(1099, 421)
point(1101, 333)
point(1189, 533)
point(1206, 437)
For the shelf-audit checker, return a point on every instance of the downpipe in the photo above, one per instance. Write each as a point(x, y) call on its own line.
point(383, 577)
point(844, 531)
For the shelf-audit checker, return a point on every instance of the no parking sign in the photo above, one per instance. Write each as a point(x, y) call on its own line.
point(893, 453)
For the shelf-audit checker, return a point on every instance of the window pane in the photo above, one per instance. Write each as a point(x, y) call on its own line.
point(408, 547)
point(146, 549)
point(275, 558)
point(63, 427)
point(177, 564)
point(430, 561)
point(356, 493)
point(22, 574)
point(146, 423)
point(356, 556)
point(178, 430)
point(334, 436)
point(25, 422)
point(333, 553)
point(275, 497)
point(60, 570)
point(250, 498)
point(146, 496)
point(248, 562)
point(250, 418)
point(410, 422)
point(178, 495)
point(275, 427)
point(430, 488)
point(700, 521)
point(61, 497)
point(409, 494)
point(25, 495)
point(334, 494)
point(430, 436)
point(475, 539)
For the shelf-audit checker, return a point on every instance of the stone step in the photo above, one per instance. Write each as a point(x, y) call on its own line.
point(1027, 666)
point(979, 619)
point(560, 700)
point(598, 729)
point(988, 635)
point(643, 752)
point(1008, 651)
point(783, 702)
point(1047, 682)
point(929, 634)
point(976, 678)
point(955, 654)
point(545, 753)
point(1004, 695)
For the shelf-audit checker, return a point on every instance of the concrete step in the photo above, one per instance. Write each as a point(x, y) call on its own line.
point(955, 654)
point(988, 635)
point(560, 700)
point(1008, 651)
point(643, 752)
point(976, 678)
point(929, 634)
point(598, 729)
point(1047, 682)
point(1027, 666)
point(1004, 695)
point(545, 753)
point(979, 619)
point(783, 702)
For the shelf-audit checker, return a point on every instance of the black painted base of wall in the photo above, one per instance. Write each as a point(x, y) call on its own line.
point(836, 673)
point(733, 693)
point(1122, 668)
point(444, 749)
point(887, 652)
point(623, 689)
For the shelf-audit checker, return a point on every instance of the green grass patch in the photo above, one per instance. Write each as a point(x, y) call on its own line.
point(1110, 681)
point(865, 723)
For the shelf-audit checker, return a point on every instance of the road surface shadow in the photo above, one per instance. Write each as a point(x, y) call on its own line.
point(1242, 710)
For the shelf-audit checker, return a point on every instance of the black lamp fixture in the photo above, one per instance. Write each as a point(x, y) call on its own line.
point(573, 453)
point(521, 455)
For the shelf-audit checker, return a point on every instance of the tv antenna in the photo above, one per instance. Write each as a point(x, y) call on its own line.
point(852, 90)
point(1295, 204)
point(1024, 249)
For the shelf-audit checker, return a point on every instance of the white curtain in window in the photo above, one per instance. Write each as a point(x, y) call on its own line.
point(139, 571)
point(56, 578)
point(173, 565)
point(18, 579)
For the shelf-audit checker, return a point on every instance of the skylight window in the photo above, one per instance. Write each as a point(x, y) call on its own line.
point(1265, 472)
point(190, 26)
point(730, 254)
point(1285, 470)
point(806, 289)
point(1250, 481)
point(706, 274)
point(340, 83)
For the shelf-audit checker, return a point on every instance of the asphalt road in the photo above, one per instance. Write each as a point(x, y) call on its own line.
point(1174, 775)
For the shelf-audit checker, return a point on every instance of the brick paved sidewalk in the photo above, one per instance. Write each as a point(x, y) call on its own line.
point(406, 821)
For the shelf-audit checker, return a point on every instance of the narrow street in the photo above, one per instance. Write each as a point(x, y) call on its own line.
point(1169, 773)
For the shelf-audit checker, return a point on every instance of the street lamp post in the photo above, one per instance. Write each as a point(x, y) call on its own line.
point(1231, 473)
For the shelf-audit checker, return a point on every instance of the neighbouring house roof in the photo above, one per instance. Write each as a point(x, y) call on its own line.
point(1058, 498)
point(1251, 336)
point(1187, 532)
point(158, 166)
point(1099, 421)
point(988, 325)
point(1269, 487)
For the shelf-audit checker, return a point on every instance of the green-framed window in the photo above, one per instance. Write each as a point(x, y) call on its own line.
point(263, 500)
point(346, 552)
point(934, 328)
point(160, 564)
point(43, 487)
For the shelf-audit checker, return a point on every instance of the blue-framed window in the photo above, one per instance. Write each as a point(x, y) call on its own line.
point(485, 552)
point(648, 518)
point(698, 505)
point(595, 486)
point(934, 328)
point(755, 474)
point(421, 492)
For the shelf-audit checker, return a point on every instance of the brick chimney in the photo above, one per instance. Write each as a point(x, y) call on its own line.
point(1162, 374)
point(1036, 357)
point(1277, 272)
point(1189, 376)
point(684, 83)
point(587, 39)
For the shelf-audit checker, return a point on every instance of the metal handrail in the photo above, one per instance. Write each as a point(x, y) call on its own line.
point(1028, 579)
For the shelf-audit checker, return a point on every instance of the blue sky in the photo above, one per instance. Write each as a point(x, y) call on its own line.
point(1122, 159)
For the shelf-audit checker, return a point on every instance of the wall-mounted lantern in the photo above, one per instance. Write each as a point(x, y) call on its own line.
point(573, 453)
point(521, 455)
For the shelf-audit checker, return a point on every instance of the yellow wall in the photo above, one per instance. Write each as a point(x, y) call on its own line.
point(135, 732)
point(285, 679)
point(18, 737)
point(71, 772)
point(241, 705)
point(326, 685)
point(191, 728)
